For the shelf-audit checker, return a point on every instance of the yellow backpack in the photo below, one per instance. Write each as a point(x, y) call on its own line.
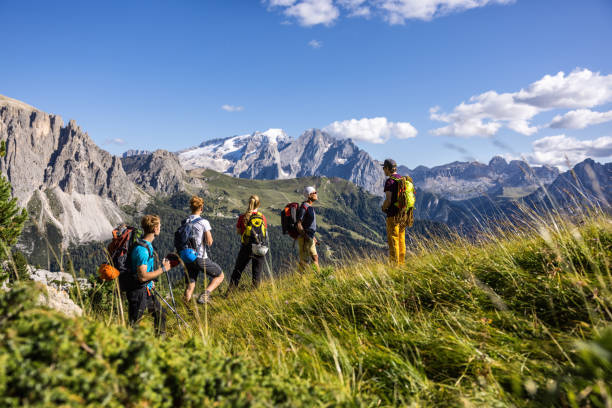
point(255, 231)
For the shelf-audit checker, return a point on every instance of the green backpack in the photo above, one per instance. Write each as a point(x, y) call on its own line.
point(405, 193)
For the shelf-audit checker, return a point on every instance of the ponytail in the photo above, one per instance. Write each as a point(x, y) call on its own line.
point(253, 204)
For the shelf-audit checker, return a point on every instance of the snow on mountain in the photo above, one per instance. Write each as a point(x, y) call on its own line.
point(274, 155)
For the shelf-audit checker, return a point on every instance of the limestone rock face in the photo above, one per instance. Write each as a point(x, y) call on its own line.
point(157, 172)
point(60, 301)
point(60, 174)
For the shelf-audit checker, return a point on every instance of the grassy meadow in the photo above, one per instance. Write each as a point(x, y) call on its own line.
point(519, 317)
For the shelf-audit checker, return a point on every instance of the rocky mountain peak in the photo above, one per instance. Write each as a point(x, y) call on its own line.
point(274, 155)
point(498, 163)
point(157, 172)
point(60, 174)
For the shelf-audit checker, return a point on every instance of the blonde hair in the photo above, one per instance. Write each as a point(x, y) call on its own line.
point(149, 223)
point(196, 203)
point(253, 204)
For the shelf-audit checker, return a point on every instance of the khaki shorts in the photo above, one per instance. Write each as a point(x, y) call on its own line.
point(306, 248)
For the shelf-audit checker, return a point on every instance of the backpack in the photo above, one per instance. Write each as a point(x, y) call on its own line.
point(184, 241)
point(405, 200)
point(255, 230)
point(125, 238)
point(289, 219)
point(405, 193)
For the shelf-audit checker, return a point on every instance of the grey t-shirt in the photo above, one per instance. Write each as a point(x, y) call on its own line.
point(199, 228)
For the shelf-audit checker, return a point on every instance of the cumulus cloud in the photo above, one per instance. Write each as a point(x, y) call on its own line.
point(310, 12)
point(579, 119)
point(562, 151)
point(114, 141)
point(232, 108)
point(483, 115)
point(313, 12)
point(315, 44)
point(374, 130)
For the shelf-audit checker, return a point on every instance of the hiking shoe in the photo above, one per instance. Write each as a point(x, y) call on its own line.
point(204, 298)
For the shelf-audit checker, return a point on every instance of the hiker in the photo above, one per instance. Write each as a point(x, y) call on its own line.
point(194, 255)
point(252, 227)
point(307, 226)
point(141, 297)
point(396, 235)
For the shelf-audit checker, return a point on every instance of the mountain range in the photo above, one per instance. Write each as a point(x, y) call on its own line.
point(76, 192)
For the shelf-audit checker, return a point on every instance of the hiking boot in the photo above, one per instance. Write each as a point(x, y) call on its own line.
point(204, 298)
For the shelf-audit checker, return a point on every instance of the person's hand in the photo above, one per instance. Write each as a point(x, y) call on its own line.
point(166, 264)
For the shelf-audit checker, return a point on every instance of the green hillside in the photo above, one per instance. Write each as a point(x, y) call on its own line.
point(520, 318)
point(349, 221)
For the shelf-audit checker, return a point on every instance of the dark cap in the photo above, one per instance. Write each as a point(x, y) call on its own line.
point(390, 164)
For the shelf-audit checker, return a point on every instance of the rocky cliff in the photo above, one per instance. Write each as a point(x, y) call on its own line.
point(60, 175)
point(157, 172)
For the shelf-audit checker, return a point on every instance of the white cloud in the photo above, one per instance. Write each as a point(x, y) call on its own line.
point(315, 44)
point(483, 115)
point(232, 108)
point(579, 119)
point(374, 130)
point(115, 141)
point(313, 12)
point(398, 11)
point(562, 151)
point(580, 89)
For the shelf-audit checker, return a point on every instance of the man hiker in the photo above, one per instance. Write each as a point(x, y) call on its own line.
point(198, 261)
point(142, 298)
point(396, 234)
point(307, 226)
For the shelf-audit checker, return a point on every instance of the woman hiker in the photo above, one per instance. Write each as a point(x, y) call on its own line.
point(252, 228)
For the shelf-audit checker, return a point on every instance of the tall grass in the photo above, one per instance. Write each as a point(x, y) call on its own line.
point(517, 316)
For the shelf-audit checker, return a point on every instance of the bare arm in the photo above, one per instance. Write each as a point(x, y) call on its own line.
point(387, 202)
point(208, 238)
point(145, 276)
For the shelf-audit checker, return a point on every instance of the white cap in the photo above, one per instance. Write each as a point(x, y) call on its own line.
point(309, 190)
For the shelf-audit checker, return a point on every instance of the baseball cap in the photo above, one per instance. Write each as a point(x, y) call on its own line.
point(390, 164)
point(309, 190)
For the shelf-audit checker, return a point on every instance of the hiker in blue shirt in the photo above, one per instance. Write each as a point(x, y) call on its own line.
point(141, 297)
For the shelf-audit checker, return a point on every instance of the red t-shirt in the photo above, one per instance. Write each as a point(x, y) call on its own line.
point(240, 223)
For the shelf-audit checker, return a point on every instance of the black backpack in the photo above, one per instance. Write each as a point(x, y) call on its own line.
point(183, 236)
point(125, 238)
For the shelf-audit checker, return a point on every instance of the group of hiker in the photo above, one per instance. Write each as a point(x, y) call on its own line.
point(133, 256)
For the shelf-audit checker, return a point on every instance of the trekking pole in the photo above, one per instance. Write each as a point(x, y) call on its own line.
point(178, 316)
point(173, 262)
point(171, 294)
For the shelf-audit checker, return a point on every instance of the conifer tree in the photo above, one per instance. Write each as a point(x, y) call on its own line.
point(12, 218)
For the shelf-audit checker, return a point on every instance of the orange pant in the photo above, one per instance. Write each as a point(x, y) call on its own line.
point(396, 238)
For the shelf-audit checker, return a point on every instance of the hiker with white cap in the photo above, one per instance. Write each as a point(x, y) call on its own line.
point(307, 227)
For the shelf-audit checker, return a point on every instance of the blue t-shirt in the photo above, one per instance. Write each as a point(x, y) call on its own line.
point(140, 256)
point(306, 214)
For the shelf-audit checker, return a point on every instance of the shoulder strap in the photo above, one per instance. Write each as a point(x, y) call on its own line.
point(148, 247)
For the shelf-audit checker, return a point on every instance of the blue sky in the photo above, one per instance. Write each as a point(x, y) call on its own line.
point(157, 74)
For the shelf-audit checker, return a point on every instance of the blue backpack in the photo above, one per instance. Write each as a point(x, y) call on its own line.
point(184, 242)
